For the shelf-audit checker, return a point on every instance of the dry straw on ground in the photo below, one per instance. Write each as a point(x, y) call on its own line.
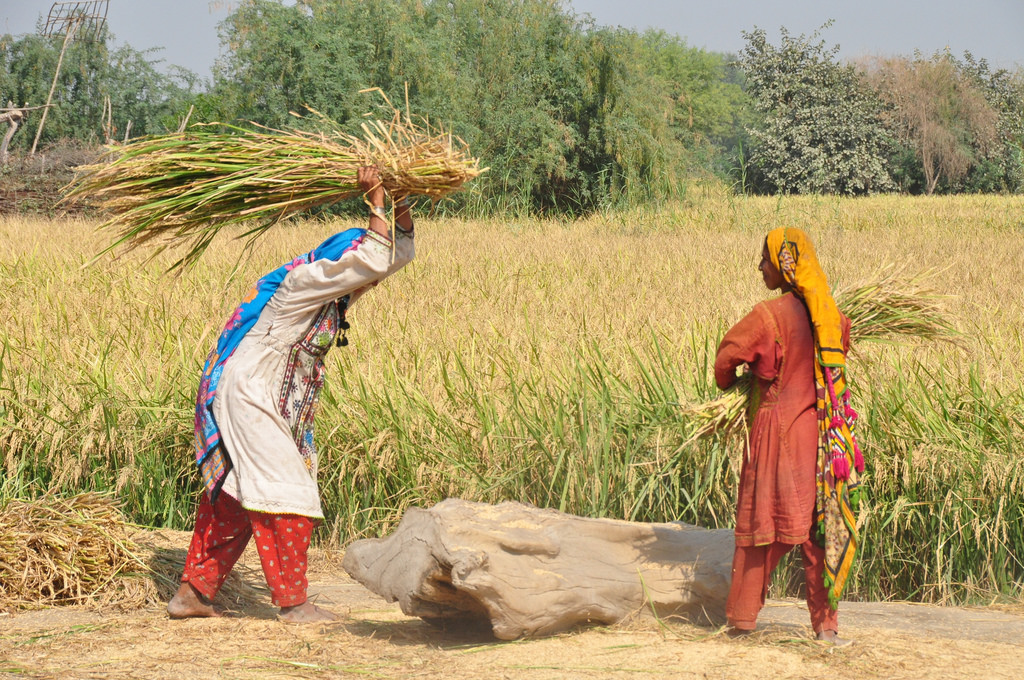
point(62, 551)
point(182, 189)
point(80, 551)
point(890, 307)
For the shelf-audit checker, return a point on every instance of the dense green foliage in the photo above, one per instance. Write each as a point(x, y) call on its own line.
point(567, 115)
point(918, 125)
point(571, 117)
point(821, 132)
point(139, 94)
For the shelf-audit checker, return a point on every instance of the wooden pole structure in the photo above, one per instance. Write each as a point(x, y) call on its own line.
point(53, 86)
point(70, 17)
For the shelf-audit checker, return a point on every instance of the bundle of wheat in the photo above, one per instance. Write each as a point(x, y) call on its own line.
point(894, 306)
point(62, 551)
point(181, 189)
point(80, 550)
point(889, 307)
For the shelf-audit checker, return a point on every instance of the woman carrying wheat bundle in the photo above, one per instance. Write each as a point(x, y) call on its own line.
point(255, 408)
point(802, 466)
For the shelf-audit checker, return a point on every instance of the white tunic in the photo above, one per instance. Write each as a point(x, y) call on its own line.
point(270, 383)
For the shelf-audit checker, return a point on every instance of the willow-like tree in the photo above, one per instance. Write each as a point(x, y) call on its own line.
point(570, 117)
point(1003, 89)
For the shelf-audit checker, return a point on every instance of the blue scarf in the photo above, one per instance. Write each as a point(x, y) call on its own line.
point(211, 457)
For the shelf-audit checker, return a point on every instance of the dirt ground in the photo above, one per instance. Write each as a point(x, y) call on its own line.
point(374, 639)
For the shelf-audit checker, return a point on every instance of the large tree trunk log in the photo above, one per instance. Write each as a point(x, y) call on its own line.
point(527, 571)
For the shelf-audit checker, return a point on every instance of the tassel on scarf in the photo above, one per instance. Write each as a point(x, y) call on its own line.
point(841, 468)
point(851, 418)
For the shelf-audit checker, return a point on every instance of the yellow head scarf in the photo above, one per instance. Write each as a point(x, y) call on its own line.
point(839, 458)
point(793, 254)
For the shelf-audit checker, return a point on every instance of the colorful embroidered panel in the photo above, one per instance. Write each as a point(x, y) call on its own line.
point(303, 379)
point(213, 460)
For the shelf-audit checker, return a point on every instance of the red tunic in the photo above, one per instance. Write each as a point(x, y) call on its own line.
point(777, 482)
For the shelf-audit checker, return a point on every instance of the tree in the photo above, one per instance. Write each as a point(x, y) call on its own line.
point(90, 75)
point(702, 102)
point(937, 112)
point(820, 131)
point(1004, 92)
point(569, 117)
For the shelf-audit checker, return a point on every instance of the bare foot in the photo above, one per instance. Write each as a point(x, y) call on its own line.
point(832, 637)
point(307, 612)
point(188, 603)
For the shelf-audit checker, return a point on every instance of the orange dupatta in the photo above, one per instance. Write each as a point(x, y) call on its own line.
point(840, 462)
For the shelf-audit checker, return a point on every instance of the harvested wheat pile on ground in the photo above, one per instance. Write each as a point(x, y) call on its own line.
point(63, 551)
point(181, 189)
point(81, 551)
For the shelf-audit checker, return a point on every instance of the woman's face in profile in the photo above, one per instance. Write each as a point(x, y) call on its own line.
point(773, 279)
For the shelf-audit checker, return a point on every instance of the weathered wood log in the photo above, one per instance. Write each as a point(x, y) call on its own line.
point(13, 118)
point(527, 571)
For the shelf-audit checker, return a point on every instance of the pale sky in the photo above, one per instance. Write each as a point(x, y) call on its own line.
point(993, 29)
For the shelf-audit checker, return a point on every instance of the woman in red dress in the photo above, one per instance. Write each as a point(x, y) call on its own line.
point(795, 347)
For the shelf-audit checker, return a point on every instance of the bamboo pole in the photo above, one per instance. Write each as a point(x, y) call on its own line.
point(68, 37)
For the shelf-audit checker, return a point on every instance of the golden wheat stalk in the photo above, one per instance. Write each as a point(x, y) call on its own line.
point(182, 189)
point(889, 307)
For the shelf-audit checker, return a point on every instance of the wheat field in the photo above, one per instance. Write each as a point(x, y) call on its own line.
point(546, 362)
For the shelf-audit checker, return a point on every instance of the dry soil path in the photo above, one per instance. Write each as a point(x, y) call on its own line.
point(374, 639)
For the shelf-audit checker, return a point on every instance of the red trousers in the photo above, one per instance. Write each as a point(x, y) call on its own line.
point(752, 568)
point(221, 534)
